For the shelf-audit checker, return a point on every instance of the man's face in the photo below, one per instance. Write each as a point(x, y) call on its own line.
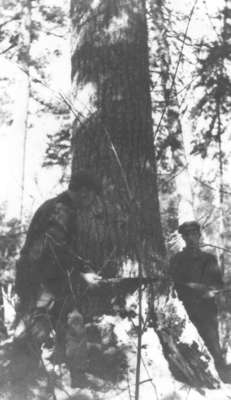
point(192, 238)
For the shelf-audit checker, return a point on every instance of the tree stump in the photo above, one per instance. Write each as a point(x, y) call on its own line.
point(189, 359)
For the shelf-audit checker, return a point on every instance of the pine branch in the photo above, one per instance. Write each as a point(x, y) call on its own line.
point(210, 20)
point(53, 108)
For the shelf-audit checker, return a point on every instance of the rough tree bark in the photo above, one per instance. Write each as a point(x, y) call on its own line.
point(110, 53)
point(110, 61)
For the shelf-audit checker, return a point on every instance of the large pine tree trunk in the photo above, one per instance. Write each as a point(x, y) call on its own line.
point(110, 58)
point(110, 72)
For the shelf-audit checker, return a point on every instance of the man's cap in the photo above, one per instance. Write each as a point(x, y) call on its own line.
point(85, 179)
point(189, 226)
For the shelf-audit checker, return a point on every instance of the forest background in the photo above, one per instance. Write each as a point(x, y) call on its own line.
point(192, 152)
point(189, 64)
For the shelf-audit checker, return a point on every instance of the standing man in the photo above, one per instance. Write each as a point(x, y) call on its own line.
point(56, 263)
point(195, 274)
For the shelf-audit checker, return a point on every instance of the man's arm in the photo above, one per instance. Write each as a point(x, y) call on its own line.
point(60, 232)
point(213, 276)
point(211, 281)
point(174, 269)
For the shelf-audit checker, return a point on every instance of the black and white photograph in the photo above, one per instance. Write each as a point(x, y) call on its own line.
point(115, 199)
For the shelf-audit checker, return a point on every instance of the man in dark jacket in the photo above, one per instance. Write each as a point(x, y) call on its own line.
point(196, 274)
point(54, 265)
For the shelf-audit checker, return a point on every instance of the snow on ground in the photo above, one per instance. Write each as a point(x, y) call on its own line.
point(156, 380)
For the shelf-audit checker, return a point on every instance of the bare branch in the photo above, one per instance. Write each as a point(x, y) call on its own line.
point(216, 247)
point(177, 67)
point(211, 187)
point(8, 48)
point(15, 17)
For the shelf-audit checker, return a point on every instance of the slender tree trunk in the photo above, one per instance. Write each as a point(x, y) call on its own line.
point(24, 60)
point(180, 167)
point(221, 242)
